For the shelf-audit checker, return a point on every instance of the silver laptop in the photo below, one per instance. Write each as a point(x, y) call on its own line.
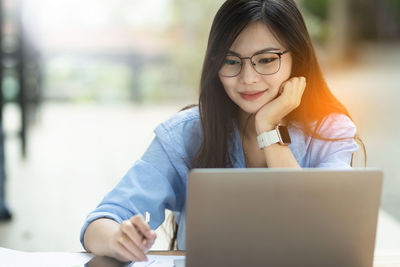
point(282, 217)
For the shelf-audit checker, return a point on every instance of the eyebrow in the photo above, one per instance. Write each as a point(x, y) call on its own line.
point(268, 49)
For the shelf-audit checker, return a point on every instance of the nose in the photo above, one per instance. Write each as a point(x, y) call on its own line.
point(248, 74)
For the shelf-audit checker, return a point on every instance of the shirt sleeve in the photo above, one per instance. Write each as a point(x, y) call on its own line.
point(152, 184)
point(334, 154)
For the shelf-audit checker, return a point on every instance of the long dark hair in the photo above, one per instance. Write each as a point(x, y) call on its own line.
point(218, 112)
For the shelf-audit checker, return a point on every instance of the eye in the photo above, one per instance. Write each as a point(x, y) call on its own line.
point(232, 62)
point(266, 60)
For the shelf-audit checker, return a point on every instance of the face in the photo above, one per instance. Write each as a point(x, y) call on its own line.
point(251, 90)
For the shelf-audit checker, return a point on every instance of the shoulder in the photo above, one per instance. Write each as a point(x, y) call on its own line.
point(332, 126)
point(180, 120)
point(334, 144)
point(336, 126)
point(181, 135)
point(308, 150)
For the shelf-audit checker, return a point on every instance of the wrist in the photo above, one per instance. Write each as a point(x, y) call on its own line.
point(263, 126)
point(279, 135)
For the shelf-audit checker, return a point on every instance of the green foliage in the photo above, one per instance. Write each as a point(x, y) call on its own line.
point(318, 8)
point(395, 4)
point(193, 19)
point(76, 80)
point(10, 86)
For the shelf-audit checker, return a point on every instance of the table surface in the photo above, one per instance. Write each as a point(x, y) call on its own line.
point(382, 258)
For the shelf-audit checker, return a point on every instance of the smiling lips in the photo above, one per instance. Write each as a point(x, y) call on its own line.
point(252, 95)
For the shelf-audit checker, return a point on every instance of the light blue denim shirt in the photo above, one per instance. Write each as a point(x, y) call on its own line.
point(158, 180)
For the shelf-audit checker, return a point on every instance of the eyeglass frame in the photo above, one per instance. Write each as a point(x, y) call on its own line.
point(253, 64)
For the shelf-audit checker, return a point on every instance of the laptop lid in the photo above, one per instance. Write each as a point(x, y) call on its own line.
point(282, 217)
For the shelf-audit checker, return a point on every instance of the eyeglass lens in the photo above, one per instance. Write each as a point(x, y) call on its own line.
point(265, 63)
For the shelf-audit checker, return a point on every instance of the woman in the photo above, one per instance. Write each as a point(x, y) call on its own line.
point(260, 72)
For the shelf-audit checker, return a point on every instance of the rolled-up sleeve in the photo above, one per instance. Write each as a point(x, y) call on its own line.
point(335, 154)
point(152, 184)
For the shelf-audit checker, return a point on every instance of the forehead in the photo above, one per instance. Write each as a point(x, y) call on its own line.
point(255, 37)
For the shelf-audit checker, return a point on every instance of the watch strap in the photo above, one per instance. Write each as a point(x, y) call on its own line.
point(268, 138)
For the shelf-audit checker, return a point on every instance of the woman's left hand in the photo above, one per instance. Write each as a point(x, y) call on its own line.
point(289, 98)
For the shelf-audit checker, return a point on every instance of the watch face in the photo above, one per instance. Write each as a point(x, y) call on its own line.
point(283, 131)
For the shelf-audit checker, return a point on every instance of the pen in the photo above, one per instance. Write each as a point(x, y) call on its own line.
point(147, 220)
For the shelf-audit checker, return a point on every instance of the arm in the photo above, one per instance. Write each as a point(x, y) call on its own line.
point(278, 156)
point(97, 235)
point(333, 154)
point(103, 237)
point(271, 114)
point(152, 185)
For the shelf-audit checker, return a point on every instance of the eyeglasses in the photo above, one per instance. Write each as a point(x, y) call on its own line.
point(265, 63)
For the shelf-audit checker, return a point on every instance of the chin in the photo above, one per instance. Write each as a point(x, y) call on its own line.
point(250, 109)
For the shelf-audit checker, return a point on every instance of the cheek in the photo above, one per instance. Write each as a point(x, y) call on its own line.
point(229, 84)
point(287, 67)
point(275, 81)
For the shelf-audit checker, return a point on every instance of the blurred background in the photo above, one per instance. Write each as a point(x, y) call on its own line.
point(84, 83)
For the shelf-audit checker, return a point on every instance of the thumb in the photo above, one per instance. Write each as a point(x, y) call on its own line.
point(282, 87)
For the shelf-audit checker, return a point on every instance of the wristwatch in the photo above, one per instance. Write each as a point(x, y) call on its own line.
point(278, 135)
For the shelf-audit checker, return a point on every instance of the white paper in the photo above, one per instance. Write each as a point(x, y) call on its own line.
point(387, 257)
point(15, 258)
point(158, 261)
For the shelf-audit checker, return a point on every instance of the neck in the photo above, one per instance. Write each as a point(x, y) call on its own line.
point(246, 124)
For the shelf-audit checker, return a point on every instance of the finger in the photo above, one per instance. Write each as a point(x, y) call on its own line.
point(281, 89)
point(149, 244)
point(298, 82)
point(142, 226)
point(130, 230)
point(132, 248)
point(292, 93)
point(298, 86)
point(288, 87)
point(123, 253)
point(302, 87)
point(151, 235)
point(304, 82)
